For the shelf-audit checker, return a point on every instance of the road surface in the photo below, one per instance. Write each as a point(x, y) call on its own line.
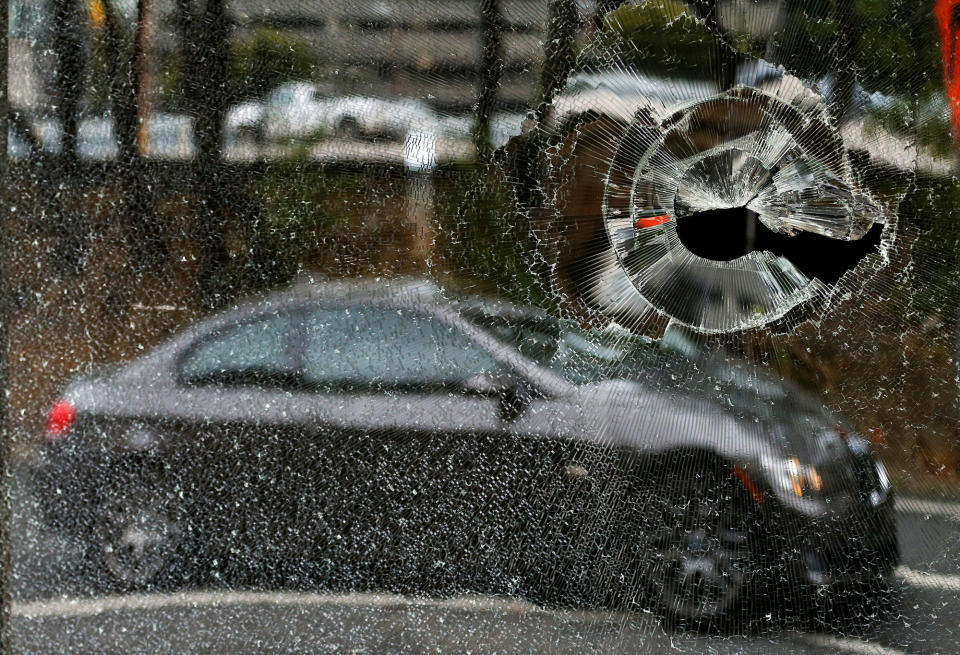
point(53, 612)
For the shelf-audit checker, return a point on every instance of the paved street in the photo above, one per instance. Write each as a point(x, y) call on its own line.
point(54, 613)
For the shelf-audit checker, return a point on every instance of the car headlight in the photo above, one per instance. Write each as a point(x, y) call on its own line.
point(793, 479)
point(882, 492)
point(879, 486)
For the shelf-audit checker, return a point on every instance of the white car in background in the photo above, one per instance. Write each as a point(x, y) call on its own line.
point(97, 139)
point(355, 116)
point(170, 136)
point(297, 110)
point(245, 118)
point(503, 127)
point(619, 94)
point(243, 131)
point(506, 125)
point(294, 110)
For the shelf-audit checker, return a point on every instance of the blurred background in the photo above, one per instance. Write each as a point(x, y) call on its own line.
point(167, 157)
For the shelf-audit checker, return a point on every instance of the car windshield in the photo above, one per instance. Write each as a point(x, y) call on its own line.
point(587, 356)
point(575, 354)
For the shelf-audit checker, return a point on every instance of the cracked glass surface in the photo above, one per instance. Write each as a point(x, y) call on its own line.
point(494, 326)
point(776, 158)
point(703, 189)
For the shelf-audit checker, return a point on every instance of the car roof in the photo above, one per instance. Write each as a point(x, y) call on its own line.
point(404, 291)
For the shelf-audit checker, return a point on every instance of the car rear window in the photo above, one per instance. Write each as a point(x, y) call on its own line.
point(256, 351)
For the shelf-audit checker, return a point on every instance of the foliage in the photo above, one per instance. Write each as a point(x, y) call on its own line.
point(256, 64)
point(928, 122)
point(932, 206)
point(895, 47)
point(295, 215)
point(484, 241)
point(661, 33)
point(265, 59)
point(898, 49)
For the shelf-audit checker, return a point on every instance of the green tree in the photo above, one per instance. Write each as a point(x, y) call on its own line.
point(259, 62)
point(659, 36)
point(891, 45)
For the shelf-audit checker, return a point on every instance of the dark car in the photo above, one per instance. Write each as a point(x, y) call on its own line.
point(387, 435)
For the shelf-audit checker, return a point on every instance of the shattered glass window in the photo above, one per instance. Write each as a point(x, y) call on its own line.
point(358, 348)
point(492, 326)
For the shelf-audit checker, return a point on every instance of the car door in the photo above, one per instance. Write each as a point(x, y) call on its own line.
point(563, 479)
point(239, 410)
point(404, 429)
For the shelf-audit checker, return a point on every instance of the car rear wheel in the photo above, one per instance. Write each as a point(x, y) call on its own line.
point(139, 537)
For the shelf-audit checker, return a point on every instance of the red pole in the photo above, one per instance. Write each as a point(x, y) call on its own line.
point(947, 14)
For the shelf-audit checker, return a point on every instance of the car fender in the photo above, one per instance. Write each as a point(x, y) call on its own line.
point(629, 415)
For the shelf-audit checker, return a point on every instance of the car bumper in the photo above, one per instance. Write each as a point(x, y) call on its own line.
point(858, 546)
point(66, 482)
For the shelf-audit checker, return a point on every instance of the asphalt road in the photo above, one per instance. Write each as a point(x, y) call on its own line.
point(55, 612)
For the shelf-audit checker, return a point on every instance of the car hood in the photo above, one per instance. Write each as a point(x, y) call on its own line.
point(752, 414)
point(630, 413)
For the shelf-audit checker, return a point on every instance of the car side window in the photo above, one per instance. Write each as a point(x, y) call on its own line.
point(255, 352)
point(375, 347)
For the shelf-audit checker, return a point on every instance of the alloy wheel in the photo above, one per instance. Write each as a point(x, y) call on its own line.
point(137, 538)
point(696, 552)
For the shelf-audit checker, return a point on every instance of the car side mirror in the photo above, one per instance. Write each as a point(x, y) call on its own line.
point(514, 399)
point(484, 384)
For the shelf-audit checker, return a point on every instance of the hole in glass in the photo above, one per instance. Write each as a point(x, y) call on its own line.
point(725, 234)
point(719, 234)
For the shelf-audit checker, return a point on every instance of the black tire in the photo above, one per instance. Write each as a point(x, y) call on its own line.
point(140, 538)
point(696, 545)
point(348, 128)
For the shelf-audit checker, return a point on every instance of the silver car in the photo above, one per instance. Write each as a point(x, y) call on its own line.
point(382, 434)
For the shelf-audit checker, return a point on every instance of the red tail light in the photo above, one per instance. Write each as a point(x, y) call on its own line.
point(60, 420)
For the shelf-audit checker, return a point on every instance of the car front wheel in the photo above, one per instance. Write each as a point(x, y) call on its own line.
point(348, 128)
point(696, 550)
